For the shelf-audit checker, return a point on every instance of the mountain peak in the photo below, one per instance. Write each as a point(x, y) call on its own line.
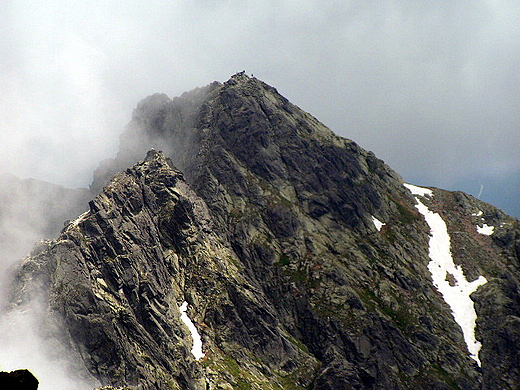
point(300, 259)
point(239, 76)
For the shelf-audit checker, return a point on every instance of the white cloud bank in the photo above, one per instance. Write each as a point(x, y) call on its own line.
point(401, 78)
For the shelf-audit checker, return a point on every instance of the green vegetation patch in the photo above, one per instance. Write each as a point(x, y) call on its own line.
point(403, 317)
point(307, 373)
point(406, 215)
point(284, 260)
point(297, 343)
point(444, 376)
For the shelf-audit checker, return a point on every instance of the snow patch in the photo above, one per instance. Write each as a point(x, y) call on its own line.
point(377, 223)
point(457, 293)
point(485, 229)
point(196, 350)
point(477, 214)
point(418, 190)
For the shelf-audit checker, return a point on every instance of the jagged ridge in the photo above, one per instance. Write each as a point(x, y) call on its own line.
point(294, 286)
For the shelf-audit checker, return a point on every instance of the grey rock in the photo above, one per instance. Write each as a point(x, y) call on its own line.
point(268, 235)
point(18, 380)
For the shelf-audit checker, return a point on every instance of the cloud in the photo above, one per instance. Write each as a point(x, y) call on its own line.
point(25, 347)
point(28, 213)
point(432, 88)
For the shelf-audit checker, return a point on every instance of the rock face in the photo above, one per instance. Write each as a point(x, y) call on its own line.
point(18, 380)
point(268, 234)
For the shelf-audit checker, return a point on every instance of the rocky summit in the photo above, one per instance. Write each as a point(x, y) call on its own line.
point(235, 242)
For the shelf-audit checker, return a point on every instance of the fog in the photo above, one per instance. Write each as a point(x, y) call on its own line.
point(25, 345)
point(31, 210)
point(432, 88)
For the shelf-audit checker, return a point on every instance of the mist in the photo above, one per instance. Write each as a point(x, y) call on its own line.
point(26, 345)
point(432, 89)
point(32, 210)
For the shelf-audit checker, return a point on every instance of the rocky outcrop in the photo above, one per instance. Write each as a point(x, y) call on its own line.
point(118, 274)
point(268, 234)
point(18, 380)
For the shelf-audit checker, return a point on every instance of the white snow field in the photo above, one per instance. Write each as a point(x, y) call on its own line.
point(485, 229)
point(196, 350)
point(457, 296)
point(377, 223)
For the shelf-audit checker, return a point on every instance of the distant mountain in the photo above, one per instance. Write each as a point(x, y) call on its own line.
point(31, 210)
point(300, 260)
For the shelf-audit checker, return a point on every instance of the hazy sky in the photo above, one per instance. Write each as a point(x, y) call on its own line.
point(433, 88)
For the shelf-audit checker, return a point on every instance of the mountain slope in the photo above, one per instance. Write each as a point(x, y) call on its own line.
point(117, 275)
point(303, 259)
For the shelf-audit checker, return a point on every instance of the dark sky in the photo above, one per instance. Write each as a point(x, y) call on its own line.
point(433, 88)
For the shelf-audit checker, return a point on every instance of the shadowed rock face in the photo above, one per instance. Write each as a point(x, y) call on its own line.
point(18, 380)
point(268, 234)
